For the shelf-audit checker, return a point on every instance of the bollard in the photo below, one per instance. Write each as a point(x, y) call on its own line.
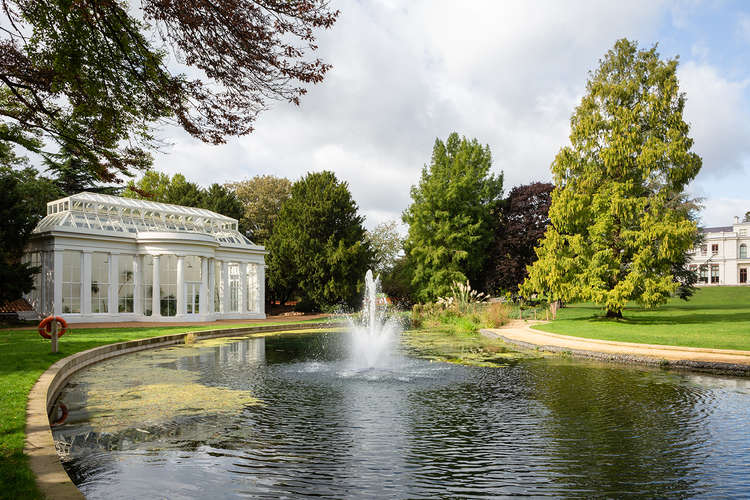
point(54, 336)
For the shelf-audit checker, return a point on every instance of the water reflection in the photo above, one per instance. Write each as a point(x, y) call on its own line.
point(416, 430)
point(617, 432)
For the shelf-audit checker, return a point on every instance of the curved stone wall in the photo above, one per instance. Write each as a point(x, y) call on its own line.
point(51, 478)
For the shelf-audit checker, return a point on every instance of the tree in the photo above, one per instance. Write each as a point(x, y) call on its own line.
point(747, 216)
point(618, 223)
point(221, 200)
point(318, 247)
point(386, 244)
point(451, 216)
point(88, 79)
point(262, 197)
point(23, 205)
point(177, 190)
point(521, 225)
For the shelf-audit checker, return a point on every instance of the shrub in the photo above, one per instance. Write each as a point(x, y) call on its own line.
point(496, 314)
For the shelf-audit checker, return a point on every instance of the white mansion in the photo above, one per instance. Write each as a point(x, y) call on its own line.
point(723, 258)
point(107, 258)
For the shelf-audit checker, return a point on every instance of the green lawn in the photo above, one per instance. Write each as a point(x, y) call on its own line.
point(24, 356)
point(715, 317)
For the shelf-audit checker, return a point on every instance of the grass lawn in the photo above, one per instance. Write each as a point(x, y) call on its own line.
point(716, 318)
point(24, 356)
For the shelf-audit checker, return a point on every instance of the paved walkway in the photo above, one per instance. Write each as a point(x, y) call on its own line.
point(521, 334)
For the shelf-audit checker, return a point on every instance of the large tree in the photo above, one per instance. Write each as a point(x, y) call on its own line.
point(451, 216)
point(177, 190)
point(386, 244)
point(89, 78)
point(23, 205)
point(618, 218)
point(261, 197)
point(521, 225)
point(318, 249)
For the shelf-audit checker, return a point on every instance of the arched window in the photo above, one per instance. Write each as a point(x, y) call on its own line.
point(743, 251)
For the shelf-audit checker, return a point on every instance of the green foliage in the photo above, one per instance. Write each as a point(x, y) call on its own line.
point(177, 190)
point(397, 283)
point(222, 200)
point(469, 318)
point(84, 81)
point(261, 197)
point(318, 247)
point(451, 216)
point(23, 205)
point(387, 245)
point(618, 217)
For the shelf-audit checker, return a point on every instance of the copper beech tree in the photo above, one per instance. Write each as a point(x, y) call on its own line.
point(90, 79)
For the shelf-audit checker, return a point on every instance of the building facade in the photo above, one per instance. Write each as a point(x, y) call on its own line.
point(107, 258)
point(724, 256)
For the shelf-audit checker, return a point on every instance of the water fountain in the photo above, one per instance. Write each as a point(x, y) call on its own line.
point(374, 331)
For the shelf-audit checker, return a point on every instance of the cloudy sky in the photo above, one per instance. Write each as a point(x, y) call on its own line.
point(508, 73)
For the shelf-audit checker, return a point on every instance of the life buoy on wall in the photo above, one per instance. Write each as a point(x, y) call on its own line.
point(63, 417)
point(45, 326)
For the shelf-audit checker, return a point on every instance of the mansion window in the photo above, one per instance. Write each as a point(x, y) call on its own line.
point(704, 250)
point(703, 274)
point(743, 275)
point(715, 249)
point(743, 251)
point(714, 273)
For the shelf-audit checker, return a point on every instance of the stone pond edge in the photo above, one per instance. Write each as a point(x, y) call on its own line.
point(723, 368)
point(39, 446)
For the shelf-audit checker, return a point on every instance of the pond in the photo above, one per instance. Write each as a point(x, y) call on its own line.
point(288, 416)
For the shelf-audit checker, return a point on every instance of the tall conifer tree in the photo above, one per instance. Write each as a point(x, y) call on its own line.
point(619, 220)
point(451, 216)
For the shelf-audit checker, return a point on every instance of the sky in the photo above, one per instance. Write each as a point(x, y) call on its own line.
point(506, 73)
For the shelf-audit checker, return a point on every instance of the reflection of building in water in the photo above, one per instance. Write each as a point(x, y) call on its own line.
point(247, 352)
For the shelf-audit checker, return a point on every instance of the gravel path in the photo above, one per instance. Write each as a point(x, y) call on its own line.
point(520, 334)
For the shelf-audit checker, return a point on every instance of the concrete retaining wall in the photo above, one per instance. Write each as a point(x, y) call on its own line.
point(40, 446)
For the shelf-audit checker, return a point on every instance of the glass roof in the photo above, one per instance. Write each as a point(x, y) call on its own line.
point(91, 212)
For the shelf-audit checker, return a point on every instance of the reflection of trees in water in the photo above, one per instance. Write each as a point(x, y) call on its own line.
point(476, 435)
point(614, 431)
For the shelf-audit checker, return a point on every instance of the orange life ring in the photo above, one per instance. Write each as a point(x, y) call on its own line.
point(45, 326)
point(63, 417)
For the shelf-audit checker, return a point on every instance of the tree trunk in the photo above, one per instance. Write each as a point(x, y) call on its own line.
point(614, 314)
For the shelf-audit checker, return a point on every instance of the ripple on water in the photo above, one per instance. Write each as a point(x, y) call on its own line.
point(416, 429)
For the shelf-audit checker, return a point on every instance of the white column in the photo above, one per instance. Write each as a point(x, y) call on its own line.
point(114, 284)
point(155, 302)
point(58, 283)
point(86, 283)
point(138, 268)
point(181, 309)
point(261, 283)
point(243, 287)
point(211, 285)
point(203, 296)
point(224, 302)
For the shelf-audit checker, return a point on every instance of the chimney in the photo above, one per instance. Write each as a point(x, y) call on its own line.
point(736, 220)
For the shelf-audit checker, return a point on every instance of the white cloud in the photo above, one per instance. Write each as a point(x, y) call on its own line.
point(507, 73)
point(722, 211)
point(716, 110)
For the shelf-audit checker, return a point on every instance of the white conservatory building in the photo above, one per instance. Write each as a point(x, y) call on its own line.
point(107, 258)
point(724, 256)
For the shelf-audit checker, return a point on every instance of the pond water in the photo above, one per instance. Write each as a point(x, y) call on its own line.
point(287, 416)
